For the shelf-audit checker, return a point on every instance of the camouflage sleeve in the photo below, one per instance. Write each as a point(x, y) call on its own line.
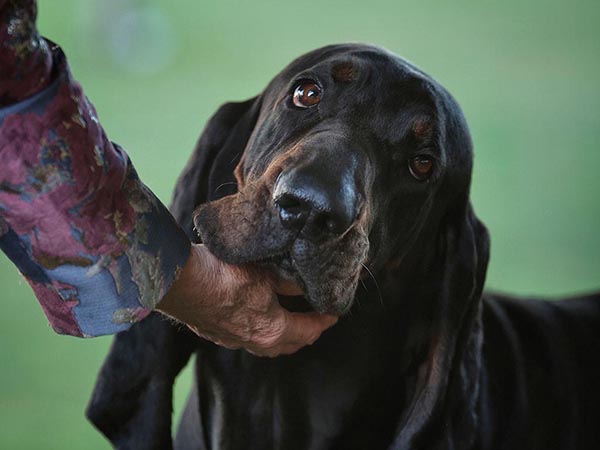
point(97, 247)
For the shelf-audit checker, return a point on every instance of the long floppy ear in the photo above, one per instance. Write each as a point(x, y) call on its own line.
point(451, 370)
point(132, 400)
point(209, 174)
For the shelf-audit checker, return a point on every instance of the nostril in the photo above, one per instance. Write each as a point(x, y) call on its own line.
point(293, 211)
point(323, 221)
point(330, 223)
point(331, 226)
point(289, 202)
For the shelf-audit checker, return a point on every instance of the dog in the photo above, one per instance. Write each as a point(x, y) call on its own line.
point(349, 175)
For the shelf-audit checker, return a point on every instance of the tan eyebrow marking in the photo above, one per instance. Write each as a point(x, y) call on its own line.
point(422, 129)
point(344, 72)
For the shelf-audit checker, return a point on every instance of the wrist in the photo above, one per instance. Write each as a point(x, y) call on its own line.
point(172, 303)
point(202, 280)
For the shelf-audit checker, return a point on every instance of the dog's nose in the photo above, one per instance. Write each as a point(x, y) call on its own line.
point(316, 201)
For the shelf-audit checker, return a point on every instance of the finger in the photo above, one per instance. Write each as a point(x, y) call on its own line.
point(300, 329)
point(286, 349)
point(305, 328)
point(286, 287)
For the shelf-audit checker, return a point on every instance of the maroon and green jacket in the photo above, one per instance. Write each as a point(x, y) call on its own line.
point(97, 247)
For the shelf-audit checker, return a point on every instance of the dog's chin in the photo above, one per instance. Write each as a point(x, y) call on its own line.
point(296, 295)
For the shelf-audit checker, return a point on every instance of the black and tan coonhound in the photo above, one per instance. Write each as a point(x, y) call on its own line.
point(350, 175)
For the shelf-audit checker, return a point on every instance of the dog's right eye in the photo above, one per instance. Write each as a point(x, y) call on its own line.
point(306, 94)
point(421, 167)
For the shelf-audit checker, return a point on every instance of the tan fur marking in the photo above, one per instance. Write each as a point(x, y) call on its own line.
point(343, 72)
point(422, 128)
point(239, 173)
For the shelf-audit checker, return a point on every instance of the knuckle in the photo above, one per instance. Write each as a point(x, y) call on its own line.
point(268, 334)
point(245, 336)
point(267, 340)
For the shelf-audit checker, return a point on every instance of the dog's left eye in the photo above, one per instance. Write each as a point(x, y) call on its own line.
point(307, 94)
point(421, 167)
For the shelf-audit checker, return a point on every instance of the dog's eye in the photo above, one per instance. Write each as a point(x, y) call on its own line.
point(307, 94)
point(421, 167)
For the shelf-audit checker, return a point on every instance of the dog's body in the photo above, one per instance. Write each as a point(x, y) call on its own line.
point(423, 360)
point(537, 388)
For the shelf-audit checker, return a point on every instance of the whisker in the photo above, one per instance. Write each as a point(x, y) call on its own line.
point(363, 285)
point(376, 284)
point(224, 184)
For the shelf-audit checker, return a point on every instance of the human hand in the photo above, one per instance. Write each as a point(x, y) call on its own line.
point(236, 307)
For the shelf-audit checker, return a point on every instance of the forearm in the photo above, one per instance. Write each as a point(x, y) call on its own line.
point(97, 247)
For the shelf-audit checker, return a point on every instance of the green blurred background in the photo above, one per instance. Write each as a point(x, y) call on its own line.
point(525, 72)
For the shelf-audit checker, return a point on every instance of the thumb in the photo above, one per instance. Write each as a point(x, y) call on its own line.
point(305, 328)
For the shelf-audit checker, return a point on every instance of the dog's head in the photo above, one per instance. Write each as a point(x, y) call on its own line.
point(349, 152)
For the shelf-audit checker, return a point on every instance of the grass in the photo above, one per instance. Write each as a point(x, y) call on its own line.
point(525, 74)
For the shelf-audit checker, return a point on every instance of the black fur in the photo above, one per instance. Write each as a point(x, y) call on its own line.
point(423, 361)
